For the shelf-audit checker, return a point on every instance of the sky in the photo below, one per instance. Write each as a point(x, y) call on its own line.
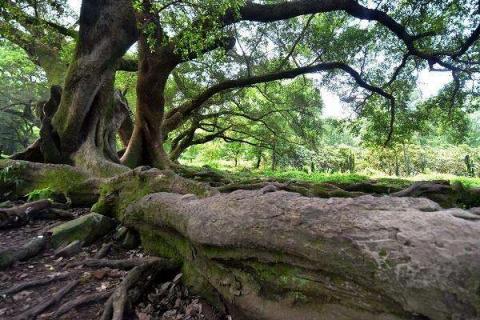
point(429, 84)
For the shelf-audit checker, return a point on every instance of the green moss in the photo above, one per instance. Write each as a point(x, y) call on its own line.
point(198, 283)
point(87, 228)
point(383, 252)
point(121, 191)
point(166, 244)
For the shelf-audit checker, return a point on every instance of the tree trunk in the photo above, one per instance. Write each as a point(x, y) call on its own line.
point(107, 30)
point(146, 146)
point(259, 161)
point(274, 159)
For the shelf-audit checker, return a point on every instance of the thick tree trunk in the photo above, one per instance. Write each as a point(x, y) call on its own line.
point(107, 30)
point(75, 128)
point(146, 146)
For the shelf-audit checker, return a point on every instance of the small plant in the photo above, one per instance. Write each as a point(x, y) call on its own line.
point(39, 194)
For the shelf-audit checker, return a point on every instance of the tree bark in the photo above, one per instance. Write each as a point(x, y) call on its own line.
point(155, 65)
point(107, 30)
point(278, 255)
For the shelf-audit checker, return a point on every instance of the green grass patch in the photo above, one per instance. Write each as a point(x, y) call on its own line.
point(318, 177)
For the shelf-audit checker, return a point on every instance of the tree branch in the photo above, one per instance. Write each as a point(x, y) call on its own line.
point(178, 115)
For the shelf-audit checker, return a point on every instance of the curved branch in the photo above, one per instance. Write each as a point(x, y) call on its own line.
point(178, 115)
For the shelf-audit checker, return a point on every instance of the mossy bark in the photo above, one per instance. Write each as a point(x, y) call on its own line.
point(22, 177)
point(279, 255)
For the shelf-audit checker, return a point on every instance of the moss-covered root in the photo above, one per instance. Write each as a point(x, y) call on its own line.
point(118, 192)
point(18, 178)
point(86, 229)
point(279, 255)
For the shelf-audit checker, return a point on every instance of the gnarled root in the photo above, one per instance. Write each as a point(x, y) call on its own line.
point(121, 299)
point(80, 301)
point(125, 264)
point(34, 283)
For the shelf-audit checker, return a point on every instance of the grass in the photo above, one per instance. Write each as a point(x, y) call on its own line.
point(342, 178)
point(320, 177)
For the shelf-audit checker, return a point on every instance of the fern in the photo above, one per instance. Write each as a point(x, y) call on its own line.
point(39, 194)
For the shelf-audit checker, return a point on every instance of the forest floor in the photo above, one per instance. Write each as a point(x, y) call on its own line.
point(167, 299)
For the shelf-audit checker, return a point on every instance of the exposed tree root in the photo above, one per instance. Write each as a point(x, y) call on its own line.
point(320, 190)
point(205, 174)
point(69, 250)
point(120, 299)
point(57, 297)
point(80, 301)
point(125, 264)
point(21, 215)
point(10, 255)
point(34, 283)
point(104, 250)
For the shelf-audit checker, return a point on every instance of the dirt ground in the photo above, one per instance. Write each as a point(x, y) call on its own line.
point(167, 299)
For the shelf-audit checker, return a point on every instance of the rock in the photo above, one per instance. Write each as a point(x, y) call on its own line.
point(280, 255)
point(87, 229)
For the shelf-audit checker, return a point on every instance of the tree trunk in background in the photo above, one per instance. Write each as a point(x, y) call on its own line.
point(126, 128)
point(274, 158)
point(55, 69)
point(146, 144)
point(259, 161)
point(406, 159)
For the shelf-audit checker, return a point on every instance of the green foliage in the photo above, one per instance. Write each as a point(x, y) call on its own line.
point(22, 84)
point(39, 194)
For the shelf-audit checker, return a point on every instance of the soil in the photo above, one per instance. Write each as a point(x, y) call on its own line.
point(168, 299)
